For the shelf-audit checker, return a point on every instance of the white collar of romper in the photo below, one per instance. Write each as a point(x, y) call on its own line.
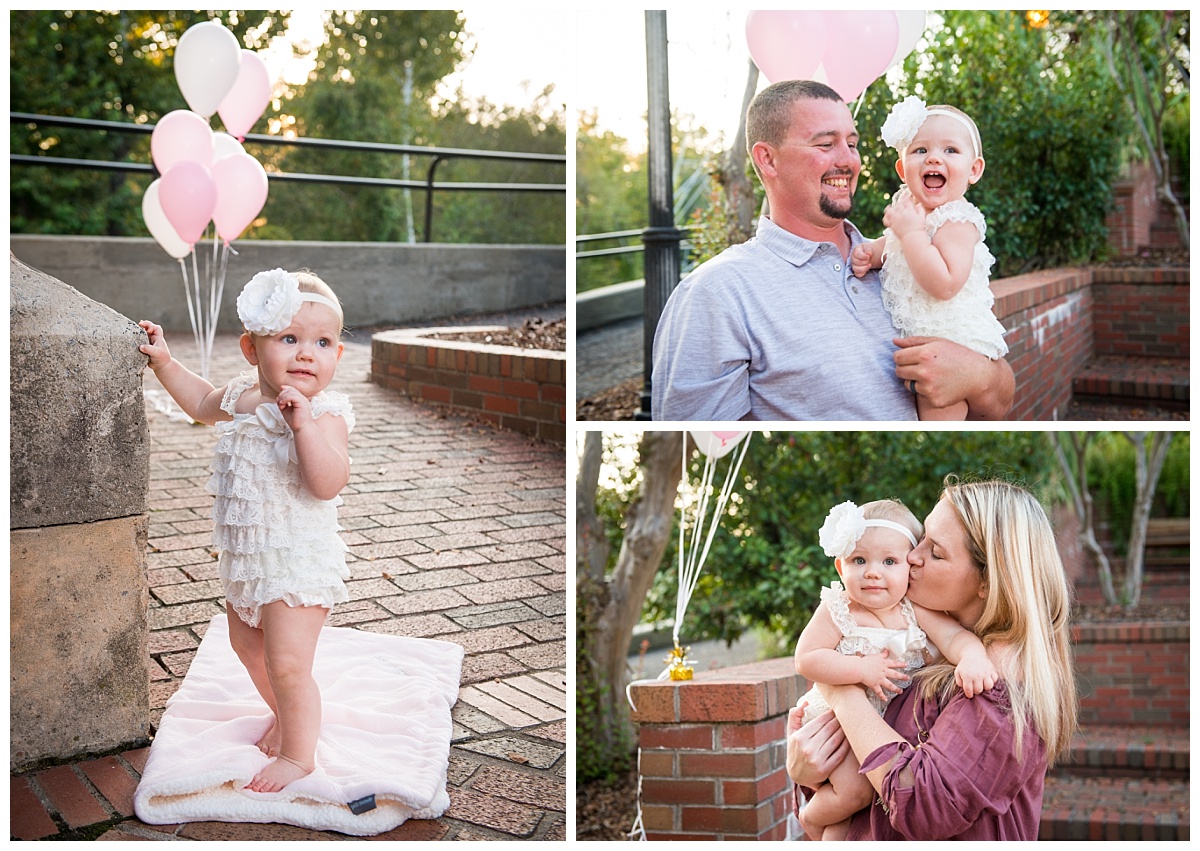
point(796, 249)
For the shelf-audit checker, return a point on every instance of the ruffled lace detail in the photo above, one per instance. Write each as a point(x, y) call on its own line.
point(865, 640)
point(277, 541)
point(967, 318)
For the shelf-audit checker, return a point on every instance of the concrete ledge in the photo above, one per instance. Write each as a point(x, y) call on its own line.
point(378, 283)
point(520, 389)
point(597, 308)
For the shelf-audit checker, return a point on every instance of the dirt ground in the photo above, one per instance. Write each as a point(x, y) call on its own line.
point(533, 334)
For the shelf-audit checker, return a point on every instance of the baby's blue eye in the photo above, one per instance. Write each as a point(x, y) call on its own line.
point(323, 343)
point(289, 338)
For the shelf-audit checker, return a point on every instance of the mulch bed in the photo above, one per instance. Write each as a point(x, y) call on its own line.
point(533, 334)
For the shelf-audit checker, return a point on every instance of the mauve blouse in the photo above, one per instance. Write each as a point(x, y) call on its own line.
point(966, 780)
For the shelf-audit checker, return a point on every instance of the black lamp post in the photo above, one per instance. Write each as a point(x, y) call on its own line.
point(661, 239)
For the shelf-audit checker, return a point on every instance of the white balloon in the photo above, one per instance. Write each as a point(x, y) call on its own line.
point(225, 145)
point(206, 66)
point(717, 443)
point(160, 228)
point(912, 26)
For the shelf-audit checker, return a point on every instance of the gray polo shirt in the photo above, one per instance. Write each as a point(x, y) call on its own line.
point(777, 328)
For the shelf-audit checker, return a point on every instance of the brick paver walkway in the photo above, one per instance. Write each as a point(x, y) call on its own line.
point(456, 531)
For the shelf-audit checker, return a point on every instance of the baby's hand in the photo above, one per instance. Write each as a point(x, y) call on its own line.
point(295, 407)
point(975, 674)
point(904, 217)
point(157, 349)
point(861, 260)
point(878, 672)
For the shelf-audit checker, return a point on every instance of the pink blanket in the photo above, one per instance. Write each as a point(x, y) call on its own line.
point(384, 744)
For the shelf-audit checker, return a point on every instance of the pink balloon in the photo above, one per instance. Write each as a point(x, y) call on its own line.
point(188, 195)
point(786, 45)
point(159, 227)
point(181, 136)
point(717, 444)
point(249, 96)
point(861, 45)
point(241, 193)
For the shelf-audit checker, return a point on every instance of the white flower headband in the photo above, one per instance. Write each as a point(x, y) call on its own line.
point(270, 300)
point(906, 119)
point(846, 524)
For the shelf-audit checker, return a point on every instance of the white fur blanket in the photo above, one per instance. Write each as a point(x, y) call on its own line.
point(385, 732)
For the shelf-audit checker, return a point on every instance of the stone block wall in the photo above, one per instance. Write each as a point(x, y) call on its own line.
point(523, 390)
point(711, 752)
point(80, 461)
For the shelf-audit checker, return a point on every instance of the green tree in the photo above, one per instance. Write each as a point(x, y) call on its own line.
point(610, 195)
point(114, 66)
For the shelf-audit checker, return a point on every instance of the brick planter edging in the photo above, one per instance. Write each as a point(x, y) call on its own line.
point(523, 390)
point(711, 752)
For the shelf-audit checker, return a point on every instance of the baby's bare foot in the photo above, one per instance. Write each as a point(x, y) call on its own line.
point(269, 743)
point(279, 773)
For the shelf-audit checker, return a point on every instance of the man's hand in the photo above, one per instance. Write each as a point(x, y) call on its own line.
point(945, 373)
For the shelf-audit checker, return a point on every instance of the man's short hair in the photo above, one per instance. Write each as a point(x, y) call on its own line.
point(770, 114)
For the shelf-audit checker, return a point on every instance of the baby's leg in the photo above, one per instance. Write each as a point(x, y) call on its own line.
point(247, 642)
point(846, 793)
point(290, 643)
point(926, 410)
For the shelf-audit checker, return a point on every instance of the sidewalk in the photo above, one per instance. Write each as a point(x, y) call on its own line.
point(456, 531)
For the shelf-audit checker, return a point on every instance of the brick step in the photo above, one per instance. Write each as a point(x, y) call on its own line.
point(1118, 750)
point(1133, 379)
point(1115, 808)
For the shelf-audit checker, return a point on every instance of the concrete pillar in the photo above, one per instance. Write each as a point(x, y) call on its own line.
point(79, 682)
point(711, 752)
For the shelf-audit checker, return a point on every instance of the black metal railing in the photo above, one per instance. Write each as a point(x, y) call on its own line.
point(427, 185)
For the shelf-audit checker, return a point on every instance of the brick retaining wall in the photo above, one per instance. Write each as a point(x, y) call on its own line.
point(1058, 319)
point(1132, 673)
point(523, 390)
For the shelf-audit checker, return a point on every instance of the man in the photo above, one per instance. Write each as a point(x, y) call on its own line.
point(778, 328)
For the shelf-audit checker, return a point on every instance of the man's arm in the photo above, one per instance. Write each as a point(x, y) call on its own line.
point(701, 358)
point(946, 372)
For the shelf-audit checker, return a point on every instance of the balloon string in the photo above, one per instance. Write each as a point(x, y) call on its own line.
point(197, 315)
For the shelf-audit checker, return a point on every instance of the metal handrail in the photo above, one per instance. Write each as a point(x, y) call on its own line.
point(622, 249)
point(439, 155)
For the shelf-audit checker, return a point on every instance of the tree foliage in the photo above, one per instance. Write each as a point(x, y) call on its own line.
point(113, 66)
point(374, 81)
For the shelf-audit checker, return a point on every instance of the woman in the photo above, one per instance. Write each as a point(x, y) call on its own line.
point(946, 767)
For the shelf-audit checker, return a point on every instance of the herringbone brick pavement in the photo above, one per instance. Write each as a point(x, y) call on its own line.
point(456, 531)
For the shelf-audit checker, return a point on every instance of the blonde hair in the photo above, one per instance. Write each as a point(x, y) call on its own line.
point(976, 137)
point(896, 511)
point(1027, 608)
point(310, 283)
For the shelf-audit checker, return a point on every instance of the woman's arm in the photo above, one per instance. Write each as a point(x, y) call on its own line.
point(865, 729)
point(964, 769)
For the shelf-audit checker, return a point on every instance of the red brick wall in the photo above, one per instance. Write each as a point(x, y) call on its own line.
point(522, 390)
point(1135, 207)
point(1057, 319)
point(1142, 312)
point(1133, 674)
point(711, 752)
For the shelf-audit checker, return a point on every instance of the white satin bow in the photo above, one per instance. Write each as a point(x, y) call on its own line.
point(902, 642)
point(271, 419)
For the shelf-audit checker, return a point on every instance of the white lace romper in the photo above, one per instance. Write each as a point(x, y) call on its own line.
point(966, 318)
point(909, 644)
point(276, 540)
